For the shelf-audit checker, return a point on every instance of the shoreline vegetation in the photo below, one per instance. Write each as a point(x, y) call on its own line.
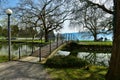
point(24, 41)
point(94, 73)
point(89, 46)
point(107, 43)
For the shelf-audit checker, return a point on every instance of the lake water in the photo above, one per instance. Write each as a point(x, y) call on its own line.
point(22, 48)
point(93, 58)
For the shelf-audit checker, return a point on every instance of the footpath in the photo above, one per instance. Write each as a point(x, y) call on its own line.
point(18, 70)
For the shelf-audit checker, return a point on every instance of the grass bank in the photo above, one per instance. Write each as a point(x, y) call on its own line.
point(88, 46)
point(3, 59)
point(108, 43)
point(24, 41)
point(93, 73)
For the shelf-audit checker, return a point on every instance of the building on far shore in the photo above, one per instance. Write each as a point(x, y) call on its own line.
point(86, 36)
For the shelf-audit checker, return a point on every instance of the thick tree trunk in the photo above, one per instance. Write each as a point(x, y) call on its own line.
point(114, 68)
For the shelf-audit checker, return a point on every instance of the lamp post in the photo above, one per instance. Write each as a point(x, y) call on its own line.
point(40, 49)
point(9, 12)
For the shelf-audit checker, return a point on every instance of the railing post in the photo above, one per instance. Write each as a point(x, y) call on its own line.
point(19, 51)
point(32, 48)
point(57, 41)
point(50, 46)
point(40, 48)
point(39, 52)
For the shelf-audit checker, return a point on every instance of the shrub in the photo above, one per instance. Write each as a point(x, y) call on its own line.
point(66, 62)
point(74, 53)
point(71, 46)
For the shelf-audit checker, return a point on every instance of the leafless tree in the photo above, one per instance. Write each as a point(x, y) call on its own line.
point(46, 14)
point(91, 18)
point(93, 21)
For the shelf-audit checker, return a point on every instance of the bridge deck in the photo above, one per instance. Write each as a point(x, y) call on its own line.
point(45, 51)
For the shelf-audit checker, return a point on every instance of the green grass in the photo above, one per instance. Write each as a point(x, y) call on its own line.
point(109, 43)
point(94, 73)
point(3, 59)
point(24, 41)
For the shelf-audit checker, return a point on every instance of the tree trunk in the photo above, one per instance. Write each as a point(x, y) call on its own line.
point(95, 37)
point(114, 68)
point(46, 36)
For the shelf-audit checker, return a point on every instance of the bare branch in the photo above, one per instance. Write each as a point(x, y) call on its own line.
point(100, 6)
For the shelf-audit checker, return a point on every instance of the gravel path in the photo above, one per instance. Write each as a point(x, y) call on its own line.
point(16, 70)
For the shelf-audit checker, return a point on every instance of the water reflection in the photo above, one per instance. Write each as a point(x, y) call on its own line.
point(96, 58)
point(93, 58)
point(18, 48)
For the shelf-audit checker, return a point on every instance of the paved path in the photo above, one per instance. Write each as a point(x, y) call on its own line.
point(15, 70)
point(30, 59)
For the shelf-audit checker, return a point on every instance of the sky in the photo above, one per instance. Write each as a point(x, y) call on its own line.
point(66, 28)
point(12, 3)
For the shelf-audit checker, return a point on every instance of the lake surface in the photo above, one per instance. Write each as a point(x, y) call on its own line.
point(93, 58)
point(96, 58)
point(20, 48)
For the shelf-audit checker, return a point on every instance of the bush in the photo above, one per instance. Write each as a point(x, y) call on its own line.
point(66, 62)
point(71, 46)
point(74, 53)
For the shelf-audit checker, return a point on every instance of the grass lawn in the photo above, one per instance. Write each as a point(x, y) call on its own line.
point(94, 73)
point(3, 59)
point(23, 41)
point(109, 43)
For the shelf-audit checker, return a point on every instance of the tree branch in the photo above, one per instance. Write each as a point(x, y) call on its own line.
point(101, 7)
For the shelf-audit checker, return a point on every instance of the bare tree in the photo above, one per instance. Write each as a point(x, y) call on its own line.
point(47, 14)
point(91, 18)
